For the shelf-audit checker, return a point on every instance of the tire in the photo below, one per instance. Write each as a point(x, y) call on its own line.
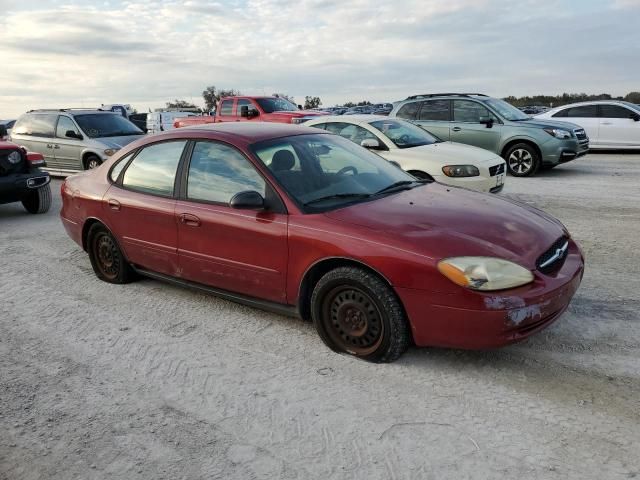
point(91, 162)
point(522, 160)
point(360, 301)
point(38, 201)
point(107, 260)
point(420, 175)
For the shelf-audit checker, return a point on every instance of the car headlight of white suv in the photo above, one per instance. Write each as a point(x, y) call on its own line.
point(484, 273)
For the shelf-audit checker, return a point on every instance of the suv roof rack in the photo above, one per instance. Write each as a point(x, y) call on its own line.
point(428, 95)
point(67, 109)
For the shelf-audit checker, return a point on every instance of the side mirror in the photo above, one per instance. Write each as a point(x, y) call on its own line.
point(3, 131)
point(370, 143)
point(488, 121)
point(73, 134)
point(36, 159)
point(244, 111)
point(249, 200)
point(635, 117)
point(299, 107)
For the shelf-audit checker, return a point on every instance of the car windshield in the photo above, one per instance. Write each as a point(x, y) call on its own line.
point(404, 134)
point(507, 111)
point(99, 125)
point(270, 105)
point(323, 172)
point(632, 106)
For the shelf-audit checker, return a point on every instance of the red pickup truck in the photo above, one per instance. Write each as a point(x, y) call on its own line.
point(252, 109)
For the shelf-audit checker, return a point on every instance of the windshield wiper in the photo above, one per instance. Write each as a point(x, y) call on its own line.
point(401, 185)
point(337, 196)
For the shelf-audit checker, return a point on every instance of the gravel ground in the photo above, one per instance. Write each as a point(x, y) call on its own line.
point(152, 381)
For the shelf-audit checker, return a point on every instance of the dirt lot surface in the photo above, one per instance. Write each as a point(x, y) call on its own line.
point(152, 381)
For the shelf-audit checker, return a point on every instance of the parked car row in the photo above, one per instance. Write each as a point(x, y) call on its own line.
point(304, 222)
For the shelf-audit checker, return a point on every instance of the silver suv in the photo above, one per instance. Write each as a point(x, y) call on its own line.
point(73, 139)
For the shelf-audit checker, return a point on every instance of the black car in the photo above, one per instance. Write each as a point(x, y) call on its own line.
point(21, 179)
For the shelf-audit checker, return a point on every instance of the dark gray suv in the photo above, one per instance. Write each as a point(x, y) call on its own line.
point(526, 144)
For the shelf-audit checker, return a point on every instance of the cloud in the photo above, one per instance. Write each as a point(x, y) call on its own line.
point(148, 52)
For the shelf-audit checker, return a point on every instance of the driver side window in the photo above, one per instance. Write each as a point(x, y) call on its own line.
point(64, 125)
point(467, 111)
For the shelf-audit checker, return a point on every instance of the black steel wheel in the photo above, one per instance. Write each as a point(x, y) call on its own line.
point(356, 312)
point(38, 201)
point(522, 160)
point(107, 260)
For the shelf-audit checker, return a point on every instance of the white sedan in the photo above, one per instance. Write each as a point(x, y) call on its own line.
point(610, 124)
point(419, 152)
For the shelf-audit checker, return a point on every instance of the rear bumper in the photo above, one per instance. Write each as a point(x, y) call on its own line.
point(474, 320)
point(16, 187)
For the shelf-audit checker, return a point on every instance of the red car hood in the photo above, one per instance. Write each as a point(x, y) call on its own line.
point(439, 221)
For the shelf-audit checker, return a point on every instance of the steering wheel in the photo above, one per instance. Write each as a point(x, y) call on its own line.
point(348, 168)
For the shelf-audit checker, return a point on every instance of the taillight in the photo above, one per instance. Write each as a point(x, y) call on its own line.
point(36, 159)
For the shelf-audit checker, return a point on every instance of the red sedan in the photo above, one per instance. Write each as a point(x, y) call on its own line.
point(303, 222)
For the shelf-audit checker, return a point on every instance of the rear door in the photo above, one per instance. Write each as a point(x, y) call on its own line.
point(587, 117)
point(140, 207)
point(35, 132)
point(226, 111)
point(243, 251)
point(435, 117)
point(68, 149)
point(617, 127)
point(466, 127)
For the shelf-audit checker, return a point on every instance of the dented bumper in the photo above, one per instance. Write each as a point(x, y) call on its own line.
point(474, 320)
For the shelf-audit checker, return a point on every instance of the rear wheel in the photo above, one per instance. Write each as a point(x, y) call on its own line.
point(38, 201)
point(91, 162)
point(355, 312)
point(107, 260)
point(522, 160)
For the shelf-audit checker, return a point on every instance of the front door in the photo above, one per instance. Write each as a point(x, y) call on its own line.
point(617, 127)
point(466, 126)
point(140, 208)
point(67, 145)
point(243, 251)
point(434, 116)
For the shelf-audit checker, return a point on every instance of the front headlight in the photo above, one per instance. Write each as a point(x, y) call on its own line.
point(484, 273)
point(110, 151)
point(297, 120)
point(558, 133)
point(14, 157)
point(460, 171)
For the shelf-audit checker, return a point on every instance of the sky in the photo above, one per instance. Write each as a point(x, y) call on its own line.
point(145, 53)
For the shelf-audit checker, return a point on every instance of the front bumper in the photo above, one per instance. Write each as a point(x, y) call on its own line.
point(562, 151)
point(16, 187)
point(474, 320)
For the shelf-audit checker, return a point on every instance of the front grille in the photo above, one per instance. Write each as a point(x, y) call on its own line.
point(6, 167)
point(496, 169)
point(580, 134)
point(553, 259)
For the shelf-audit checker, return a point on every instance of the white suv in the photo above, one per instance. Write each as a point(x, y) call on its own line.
point(609, 124)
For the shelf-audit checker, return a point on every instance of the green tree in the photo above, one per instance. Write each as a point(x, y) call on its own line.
point(633, 97)
point(180, 104)
point(311, 102)
point(212, 95)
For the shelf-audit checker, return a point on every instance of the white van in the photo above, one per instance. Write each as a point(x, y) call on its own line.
point(163, 121)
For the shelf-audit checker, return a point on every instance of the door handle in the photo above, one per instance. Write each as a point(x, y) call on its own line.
point(49, 145)
point(56, 146)
point(189, 219)
point(606, 123)
point(113, 204)
point(456, 129)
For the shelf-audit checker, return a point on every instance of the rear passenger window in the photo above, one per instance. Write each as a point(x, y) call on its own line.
point(408, 111)
point(217, 172)
point(226, 108)
point(437, 110)
point(614, 111)
point(586, 111)
point(115, 170)
point(37, 125)
point(154, 168)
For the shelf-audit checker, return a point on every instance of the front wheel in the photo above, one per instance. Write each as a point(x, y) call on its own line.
point(522, 160)
point(38, 201)
point(91, 162)
point(355, 312)
point(107, 260)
